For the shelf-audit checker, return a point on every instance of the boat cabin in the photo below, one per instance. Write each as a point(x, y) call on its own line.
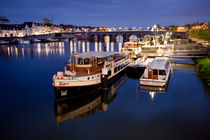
point(91, 62)
point(157, 69)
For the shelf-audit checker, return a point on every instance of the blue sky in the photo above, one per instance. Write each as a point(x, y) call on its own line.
point(111, 13)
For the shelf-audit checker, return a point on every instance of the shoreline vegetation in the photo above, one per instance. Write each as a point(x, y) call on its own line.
point(203, 33)
point(203, 66)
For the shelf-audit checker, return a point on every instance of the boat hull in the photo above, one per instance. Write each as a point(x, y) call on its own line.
point(157, 83)
point(63, 92)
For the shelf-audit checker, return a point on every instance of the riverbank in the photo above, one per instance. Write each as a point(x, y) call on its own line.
point(203, 33)
point(203, 65)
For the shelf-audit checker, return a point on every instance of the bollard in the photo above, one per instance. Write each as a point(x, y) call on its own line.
point(104, 78)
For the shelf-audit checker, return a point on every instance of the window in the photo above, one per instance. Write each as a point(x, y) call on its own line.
point(109, 73)
point(162, 72)
point(115, 69)
point(86, 61)
point(109, 58)
point(80, 61)
point(100, 61)
point(155, 72)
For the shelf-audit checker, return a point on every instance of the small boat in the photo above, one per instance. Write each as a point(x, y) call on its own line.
point(4, 42)
point(25, 41)
point(54, 40)
point(35, 40)
point(157, 73)
point(134, 48)
point(141, 62)
point(89, 69)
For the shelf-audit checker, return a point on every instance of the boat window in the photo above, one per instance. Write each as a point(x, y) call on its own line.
point(155, 72)
point(115, 69)
point(80, 61)
point(109, 73)
point(100, 61)
point(162, 72)
point(109, 58)
point(86, 61)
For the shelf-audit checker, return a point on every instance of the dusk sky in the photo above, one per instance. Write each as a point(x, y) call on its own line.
point(110, 13)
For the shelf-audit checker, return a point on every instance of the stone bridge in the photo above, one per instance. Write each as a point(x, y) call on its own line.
point(103, 36)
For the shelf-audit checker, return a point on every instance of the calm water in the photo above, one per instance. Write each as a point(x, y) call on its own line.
point(29, 109)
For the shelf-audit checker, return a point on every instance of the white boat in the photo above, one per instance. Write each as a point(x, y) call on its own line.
point(134, 48)
point(88, 69)
point(141, 62)
point(86, 104)
point(35, 41)
point(24, 41)
point(157, 73)
point(3, 42)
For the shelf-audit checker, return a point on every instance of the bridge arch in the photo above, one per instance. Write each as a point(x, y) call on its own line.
point(100, 38)
point(125, 38)
point(106, 38)
point(132, 37)
point(118, 38)
point(93, 38)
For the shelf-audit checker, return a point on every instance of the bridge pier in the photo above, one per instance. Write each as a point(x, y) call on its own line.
point(120, 46)
point(100, 46)
point(75, 46)
point(79, 46)
point(112, 46)
point(88, 46)
point(107, 46)
point(96, 46)
point(83, 46)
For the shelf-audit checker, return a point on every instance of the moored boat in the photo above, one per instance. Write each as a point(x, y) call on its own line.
point(90, 69)
point(157, 73)
point(134, 48)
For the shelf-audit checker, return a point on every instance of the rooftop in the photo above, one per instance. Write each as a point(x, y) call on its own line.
point(159, 63)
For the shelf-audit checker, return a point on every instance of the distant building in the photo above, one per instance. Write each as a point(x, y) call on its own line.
point(4, 20)
point(149, 28)
point(11, 30)
point(156, 27)
point(182, 29)
point(20, 30)
point(47, 21)
point(202, 26)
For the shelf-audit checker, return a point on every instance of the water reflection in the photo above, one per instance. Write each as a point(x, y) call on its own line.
point(86, 103)
point(38, 49)
point(152, 90)
point(60, 48)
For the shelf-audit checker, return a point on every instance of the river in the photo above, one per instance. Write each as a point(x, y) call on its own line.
point(29, 109)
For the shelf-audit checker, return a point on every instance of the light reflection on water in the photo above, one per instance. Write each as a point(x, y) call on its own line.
point(29, 108)
point(45, 49)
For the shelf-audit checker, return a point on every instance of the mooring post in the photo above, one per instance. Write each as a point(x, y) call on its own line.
point(104, 78)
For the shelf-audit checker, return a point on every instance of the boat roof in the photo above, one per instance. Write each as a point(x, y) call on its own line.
point(159, 63)
point(96, 54)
